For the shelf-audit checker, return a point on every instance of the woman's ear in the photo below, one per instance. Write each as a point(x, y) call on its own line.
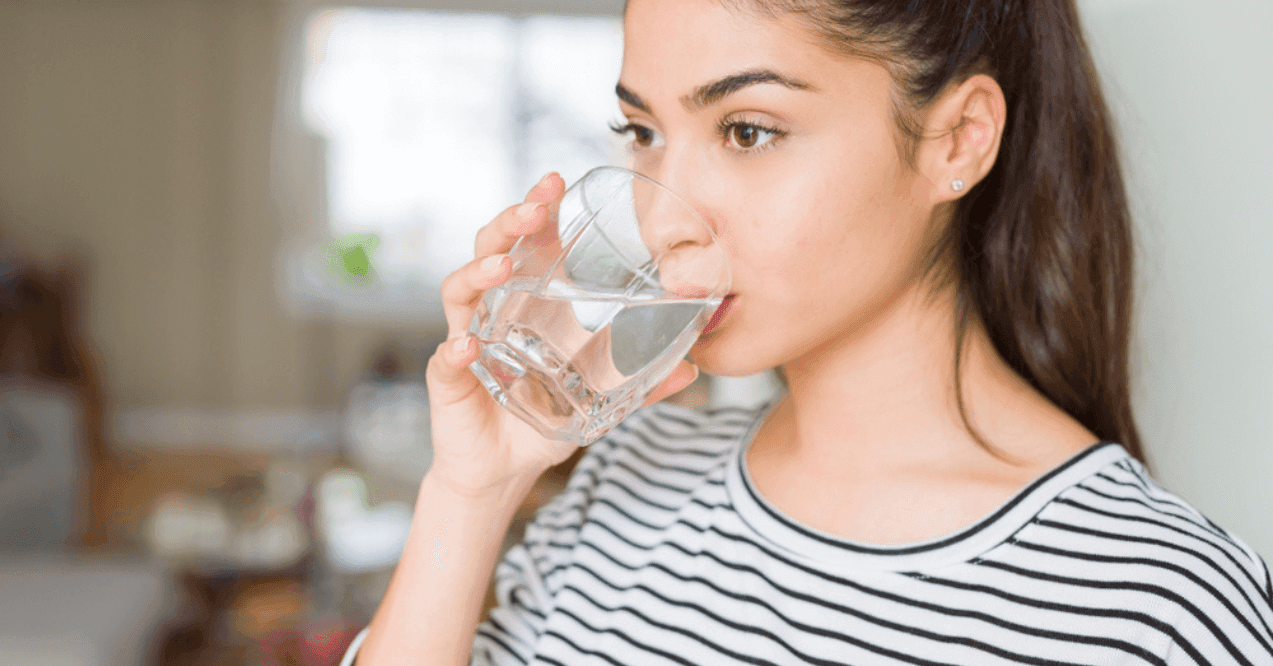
point(962, 133)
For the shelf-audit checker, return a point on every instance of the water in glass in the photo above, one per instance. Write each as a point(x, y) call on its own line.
point(574, 363)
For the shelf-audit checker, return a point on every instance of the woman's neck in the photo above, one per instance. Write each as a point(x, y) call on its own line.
point(869, 445)
point(883, 397)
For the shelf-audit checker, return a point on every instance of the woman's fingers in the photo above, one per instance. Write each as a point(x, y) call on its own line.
point(511, 224)
point(522, 219)
point(462, 289)
point(447, 374)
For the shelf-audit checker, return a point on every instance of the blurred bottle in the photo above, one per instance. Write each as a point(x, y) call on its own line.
point(387, 428)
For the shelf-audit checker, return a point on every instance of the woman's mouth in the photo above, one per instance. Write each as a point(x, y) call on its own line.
point(719, 315)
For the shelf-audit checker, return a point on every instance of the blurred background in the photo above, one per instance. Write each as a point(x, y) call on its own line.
point(223, 224)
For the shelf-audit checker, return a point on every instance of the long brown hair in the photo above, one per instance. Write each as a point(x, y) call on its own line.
point(1040, 250)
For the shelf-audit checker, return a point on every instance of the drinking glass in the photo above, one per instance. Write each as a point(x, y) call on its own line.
point(602, 304)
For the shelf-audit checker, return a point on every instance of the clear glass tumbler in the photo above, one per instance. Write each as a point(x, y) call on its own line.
point(602, 303)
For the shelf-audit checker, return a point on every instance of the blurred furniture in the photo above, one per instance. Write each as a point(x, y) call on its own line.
point(231, 608)
point(41, 465)
point(142, 477)
point(62, 610)
point(53, 455)
point(58, 608)
point(244, 617)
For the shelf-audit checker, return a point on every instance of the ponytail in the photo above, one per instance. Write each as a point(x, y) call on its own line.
point(1045, 241)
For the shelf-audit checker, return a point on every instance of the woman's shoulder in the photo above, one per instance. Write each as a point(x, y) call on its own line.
point(1120, 519)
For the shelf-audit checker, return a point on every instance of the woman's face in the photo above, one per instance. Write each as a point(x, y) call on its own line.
point(788, 152)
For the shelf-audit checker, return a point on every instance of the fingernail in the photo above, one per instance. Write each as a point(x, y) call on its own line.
point(527, 209)
point(492, 262)
point(461, 346)
point(544, 179)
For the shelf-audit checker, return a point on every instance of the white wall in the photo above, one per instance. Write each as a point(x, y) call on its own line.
point(137, 134)
point(1190, 83)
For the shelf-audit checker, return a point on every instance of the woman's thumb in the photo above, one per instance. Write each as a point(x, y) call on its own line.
point(448, 375)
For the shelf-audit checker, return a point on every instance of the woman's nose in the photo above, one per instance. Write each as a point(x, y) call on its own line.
point(665, 207)
point(689, 261)
point(667, 221)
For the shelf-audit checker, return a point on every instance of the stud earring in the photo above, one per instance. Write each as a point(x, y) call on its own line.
point(956, 185)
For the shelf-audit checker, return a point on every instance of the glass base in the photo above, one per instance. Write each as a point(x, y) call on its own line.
point(531, 394)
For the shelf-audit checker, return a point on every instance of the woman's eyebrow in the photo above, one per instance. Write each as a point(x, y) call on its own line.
point(630, 98)
point(711, 93)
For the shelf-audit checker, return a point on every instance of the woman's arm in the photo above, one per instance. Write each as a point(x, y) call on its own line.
point(431, 609)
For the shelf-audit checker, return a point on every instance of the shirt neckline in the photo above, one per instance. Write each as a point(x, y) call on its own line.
point(822, 549)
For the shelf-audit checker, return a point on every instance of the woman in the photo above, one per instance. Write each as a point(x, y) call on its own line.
point(927, 227)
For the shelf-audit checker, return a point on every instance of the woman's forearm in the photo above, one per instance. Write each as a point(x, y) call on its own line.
point(430, 611)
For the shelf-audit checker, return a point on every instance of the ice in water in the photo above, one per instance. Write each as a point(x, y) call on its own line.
point(574, 363)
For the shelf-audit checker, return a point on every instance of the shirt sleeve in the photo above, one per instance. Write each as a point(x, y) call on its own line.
point(1226, 620)
point(353, 648)
point(529, 575)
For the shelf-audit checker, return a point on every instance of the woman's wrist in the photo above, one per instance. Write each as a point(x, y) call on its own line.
point(430, 611)
point(498, 489)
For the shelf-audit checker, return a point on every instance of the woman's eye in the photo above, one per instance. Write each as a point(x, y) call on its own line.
point(642, 136)
point(743, 135)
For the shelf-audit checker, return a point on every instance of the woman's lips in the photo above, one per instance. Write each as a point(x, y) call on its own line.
point(720, 313)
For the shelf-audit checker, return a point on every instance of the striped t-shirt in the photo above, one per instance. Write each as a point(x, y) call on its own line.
point(661, 551)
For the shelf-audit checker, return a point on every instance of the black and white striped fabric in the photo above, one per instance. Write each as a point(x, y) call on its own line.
point(661, 551)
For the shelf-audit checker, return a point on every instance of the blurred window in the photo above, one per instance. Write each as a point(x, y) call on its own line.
point(434, 122)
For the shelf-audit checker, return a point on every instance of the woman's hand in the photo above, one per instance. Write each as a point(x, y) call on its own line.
point(478, 447)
